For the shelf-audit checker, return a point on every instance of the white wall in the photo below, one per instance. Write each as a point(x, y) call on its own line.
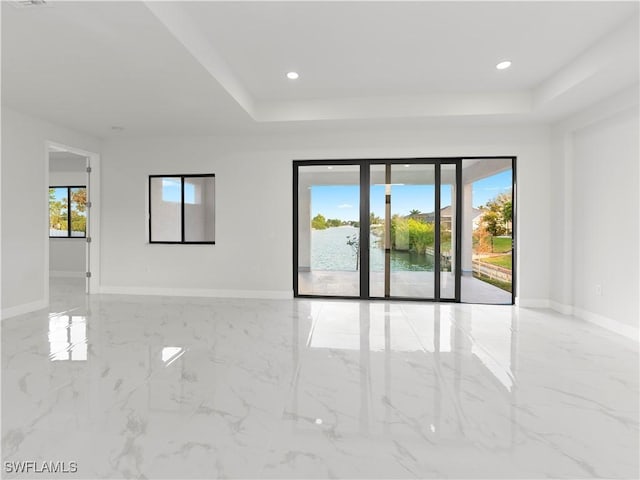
point(252, 255)
point(67, 256)
point(25, 229)
point(595, 267)
point(605, 222)
point(253, 251)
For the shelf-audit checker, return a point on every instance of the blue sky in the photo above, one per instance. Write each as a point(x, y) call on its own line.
point(171, 191)
point(60, 194)
point(335, 201)
point(491, 187)
point(343, 201)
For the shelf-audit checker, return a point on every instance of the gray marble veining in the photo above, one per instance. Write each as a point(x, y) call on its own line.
point(157, 387)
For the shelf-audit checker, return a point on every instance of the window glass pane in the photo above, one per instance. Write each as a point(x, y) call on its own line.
point(487, 231)
point(170, 189)
point(412, 229)
point(58, 214)
point(447, 231)
point(329, 230)
point(199, 214)
point(166, 216)
point(378, 231)
point(78, 211)
point(190, 188)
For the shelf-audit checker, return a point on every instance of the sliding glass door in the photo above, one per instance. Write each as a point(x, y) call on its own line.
point(396, 229)
point(402, 230)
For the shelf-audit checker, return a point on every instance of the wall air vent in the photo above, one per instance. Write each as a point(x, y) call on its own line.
point(28, 3)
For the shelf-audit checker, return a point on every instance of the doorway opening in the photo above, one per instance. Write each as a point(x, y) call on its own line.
point(71, 224)
point(438, 229)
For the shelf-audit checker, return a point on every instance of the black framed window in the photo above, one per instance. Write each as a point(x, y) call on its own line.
point(68, 211)
point(182, 208)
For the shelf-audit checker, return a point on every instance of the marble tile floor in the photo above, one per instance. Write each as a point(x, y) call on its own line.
point(159, 387)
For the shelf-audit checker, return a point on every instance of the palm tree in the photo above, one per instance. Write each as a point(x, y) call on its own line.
point(415, 211)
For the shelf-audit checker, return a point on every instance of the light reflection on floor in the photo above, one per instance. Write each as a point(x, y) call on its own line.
point(161, 387)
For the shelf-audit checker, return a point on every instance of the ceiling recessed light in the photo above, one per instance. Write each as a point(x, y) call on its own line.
point(503, 65)
point(293, 75)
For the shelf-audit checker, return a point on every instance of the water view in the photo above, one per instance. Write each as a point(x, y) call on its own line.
point(330, 251)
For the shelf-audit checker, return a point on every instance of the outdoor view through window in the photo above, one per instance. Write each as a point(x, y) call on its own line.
point(402, 238)
point(68, 211)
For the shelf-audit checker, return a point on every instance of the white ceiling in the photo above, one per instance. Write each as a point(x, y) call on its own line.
point(357, 49)
point(219, 67)
point(94, 65)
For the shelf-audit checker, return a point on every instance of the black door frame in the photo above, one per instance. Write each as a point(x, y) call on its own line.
point(364, 172)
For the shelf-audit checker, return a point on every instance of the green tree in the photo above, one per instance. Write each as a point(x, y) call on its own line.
point(79, 199)
point(496, 217)
point(507, 214)
point(78, 222)
point(374, 219)
point(493, 222)
point(411, 234)
point(58, 214)
point(415, 211)
point(421, 235)
point(319, 222)
point(399, 233)
point(79, 206)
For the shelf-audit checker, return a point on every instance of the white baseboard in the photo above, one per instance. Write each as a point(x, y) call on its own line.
point(198, 292)
point(24, 308)
point(63, 274)
point(608, 324)
point(532, 302)
point(632, 333)
point(561, 307)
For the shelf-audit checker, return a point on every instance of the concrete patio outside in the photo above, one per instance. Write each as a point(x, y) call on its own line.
point(405, 284)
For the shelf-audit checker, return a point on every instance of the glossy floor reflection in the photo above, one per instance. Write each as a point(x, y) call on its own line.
point(155, 387)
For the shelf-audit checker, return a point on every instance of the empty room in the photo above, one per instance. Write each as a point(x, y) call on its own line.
point(306, 239)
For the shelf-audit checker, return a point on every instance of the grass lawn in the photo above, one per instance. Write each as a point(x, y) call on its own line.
point(497, 283)
point(503, 261)
point(501, 245)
